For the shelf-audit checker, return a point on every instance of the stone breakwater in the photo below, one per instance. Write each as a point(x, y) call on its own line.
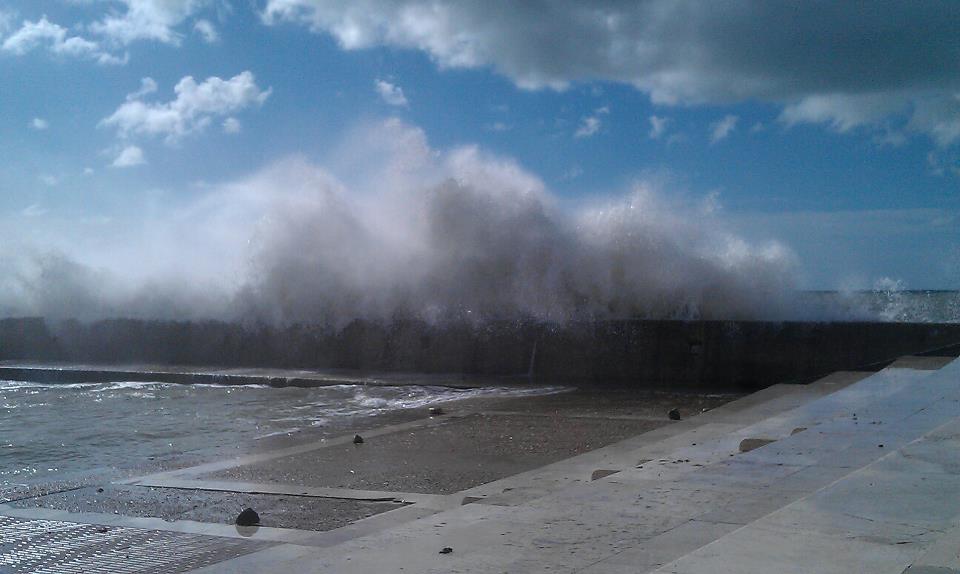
point(718, 355)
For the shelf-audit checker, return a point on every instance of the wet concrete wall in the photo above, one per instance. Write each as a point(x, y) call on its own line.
point(701, 354)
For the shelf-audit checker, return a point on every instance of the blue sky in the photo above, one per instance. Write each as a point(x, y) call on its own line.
point(799, 123)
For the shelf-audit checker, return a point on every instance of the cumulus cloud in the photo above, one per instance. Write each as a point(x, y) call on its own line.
point(722, 128)
point(232, 126)
point(129, 156)
point(207, 31)
point(837, 63)
point(44, 34)
point(39, 124)
point(658, 126)
point(49, 180)
point(590, 125)
point(390, 93)
point(155, 20)
point(191, 111)
point(147, 86)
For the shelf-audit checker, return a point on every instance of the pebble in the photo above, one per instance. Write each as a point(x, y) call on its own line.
point(248, 517)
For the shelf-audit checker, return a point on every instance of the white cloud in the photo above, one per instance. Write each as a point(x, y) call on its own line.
point(658, 126)
point(207, 31)
point(88, 171)
point(231, 125)
point(390, 93)
point(499, 127)
point(39, 124)
point(590, 125)
point(130, 156)
point(148, 20)
point(832, 63)
point(48, 180)
point(6, 21)
point(721, 129)
point(147, 86)
point(34, 210)
point(46, 34)
point(191, 111)
point(573, 173)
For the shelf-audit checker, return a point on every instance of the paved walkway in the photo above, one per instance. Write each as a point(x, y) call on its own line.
point(863, 479)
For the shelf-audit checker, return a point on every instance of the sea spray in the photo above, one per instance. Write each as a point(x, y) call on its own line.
point(408, 233)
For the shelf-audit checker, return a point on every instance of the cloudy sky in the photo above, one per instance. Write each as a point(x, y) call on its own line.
point(833, 127)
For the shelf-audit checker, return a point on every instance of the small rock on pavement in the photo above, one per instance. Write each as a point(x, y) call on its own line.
point(248, 517)
point(446, 550)
point(357, 439)
point(674, 414)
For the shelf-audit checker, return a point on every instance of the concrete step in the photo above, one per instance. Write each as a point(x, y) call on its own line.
point(639, 519)
point(871, 509)
point(700, 429)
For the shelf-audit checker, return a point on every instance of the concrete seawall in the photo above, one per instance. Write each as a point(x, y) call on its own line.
point(695, 354)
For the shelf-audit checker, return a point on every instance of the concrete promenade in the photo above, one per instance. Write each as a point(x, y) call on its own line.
point(857, 472)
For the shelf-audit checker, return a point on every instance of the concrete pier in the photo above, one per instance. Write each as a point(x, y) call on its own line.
point(709, 355)
point(855, 472)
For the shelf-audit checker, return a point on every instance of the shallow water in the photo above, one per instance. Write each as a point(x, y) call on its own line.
point(49, 430)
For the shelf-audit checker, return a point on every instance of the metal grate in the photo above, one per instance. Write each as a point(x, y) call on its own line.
point(55, 547)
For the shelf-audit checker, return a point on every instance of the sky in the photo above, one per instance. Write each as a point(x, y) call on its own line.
point(832, 128)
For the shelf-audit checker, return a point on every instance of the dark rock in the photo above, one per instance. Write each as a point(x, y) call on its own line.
point(674, 415)
point(357, 439)
point(435, 411)
point(103, 530)
point(446, 550)
point(248, 517)
point(797, 430)
point(99, 490)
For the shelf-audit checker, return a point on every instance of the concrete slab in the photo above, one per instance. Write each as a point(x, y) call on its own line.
point(659, 550)
point(728, 511)
point(929, 363)
point(276, 511)
point(449, 456)
point(763, 550)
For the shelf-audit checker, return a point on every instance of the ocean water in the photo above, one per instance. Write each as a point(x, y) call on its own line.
point(49, 431)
